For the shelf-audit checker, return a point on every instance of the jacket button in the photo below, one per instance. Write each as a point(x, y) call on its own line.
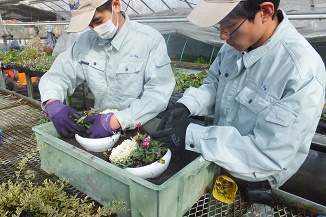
point(95, 63)
point(126, 69)
point(226, 75)
point(192, 146)
point(250, 101)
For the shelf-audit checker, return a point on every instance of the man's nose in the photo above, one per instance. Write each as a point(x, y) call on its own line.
point(224, 36)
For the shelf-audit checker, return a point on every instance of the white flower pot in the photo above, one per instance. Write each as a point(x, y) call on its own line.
point(98, 144)
point(152, 170)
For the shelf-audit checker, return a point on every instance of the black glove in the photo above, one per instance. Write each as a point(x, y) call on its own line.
point(173, 137)
point(176, 113)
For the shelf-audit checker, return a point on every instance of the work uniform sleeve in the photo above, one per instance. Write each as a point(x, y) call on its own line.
point(201, 101)
point(158, 87)
point(279, 131)
point(62, 78)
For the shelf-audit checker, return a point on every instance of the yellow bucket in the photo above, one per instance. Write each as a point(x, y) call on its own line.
point(22, 78)
point(225, 189)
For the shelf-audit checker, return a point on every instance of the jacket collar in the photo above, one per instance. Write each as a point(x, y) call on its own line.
point(253, 56)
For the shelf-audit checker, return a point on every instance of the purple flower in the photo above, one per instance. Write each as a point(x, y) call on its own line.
point(139, 124)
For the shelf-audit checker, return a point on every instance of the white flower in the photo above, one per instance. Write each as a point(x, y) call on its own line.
point(106, 111)
point(123, 151)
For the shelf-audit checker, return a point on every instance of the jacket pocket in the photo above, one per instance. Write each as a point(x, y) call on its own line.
point(250, 105)
point(128, 67)
point(94, 71)
point(131, 78)
point(251, 100)
point(281, 115)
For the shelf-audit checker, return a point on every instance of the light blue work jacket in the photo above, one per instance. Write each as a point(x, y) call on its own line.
point(266, 105)
point(132, 73)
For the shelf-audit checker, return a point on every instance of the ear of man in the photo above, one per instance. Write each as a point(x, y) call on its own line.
point(116, 6)
point(267, 11)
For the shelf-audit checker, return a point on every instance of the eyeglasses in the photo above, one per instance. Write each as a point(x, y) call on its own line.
point(230, 33)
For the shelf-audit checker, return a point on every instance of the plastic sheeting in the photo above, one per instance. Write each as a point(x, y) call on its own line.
point(174, 10)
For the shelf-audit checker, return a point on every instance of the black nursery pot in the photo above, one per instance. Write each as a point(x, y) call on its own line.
point(321, 128)
point(26, 214)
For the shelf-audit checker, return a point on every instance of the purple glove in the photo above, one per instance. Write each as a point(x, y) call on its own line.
point(100, 126)
point(61, 116)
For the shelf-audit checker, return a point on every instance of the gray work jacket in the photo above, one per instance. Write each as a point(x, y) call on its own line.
point(266, 105)
point(132, 73)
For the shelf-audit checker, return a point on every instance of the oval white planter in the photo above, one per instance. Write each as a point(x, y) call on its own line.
point(152, 170)
point(98, 144)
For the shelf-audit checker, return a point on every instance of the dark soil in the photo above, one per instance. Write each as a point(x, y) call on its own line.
point(179, 158)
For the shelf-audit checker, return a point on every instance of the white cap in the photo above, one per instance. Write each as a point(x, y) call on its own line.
point(209, 12)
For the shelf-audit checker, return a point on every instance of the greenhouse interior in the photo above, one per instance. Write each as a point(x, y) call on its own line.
point(34, 157)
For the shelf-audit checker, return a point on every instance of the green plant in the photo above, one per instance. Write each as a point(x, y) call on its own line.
point(44, 118)
point(184, 80)
point(49, 198)
point(140, 150)
point(32, 57)
point(323, 114)
point(10, 56)
point(85, 114)
point(202, 60)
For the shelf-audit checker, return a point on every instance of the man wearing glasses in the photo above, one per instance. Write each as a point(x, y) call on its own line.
point(265, 90)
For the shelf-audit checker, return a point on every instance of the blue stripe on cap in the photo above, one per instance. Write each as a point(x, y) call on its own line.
point(74, 6)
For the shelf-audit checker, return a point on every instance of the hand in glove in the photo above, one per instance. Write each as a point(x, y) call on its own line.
point(61, 116)
point(176, 113)
point(101, 126)
point(173, 137)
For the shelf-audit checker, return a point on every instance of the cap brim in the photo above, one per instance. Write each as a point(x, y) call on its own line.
point(80, 22)
point(207, 14)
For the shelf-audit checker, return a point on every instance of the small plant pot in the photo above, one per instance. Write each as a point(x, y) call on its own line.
point(26, 214)
point(152, 170)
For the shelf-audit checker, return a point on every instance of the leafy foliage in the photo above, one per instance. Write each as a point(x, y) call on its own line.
point(202, 60)
point(10, 56)
point(84, 115)
point(323, 114)
point(184, 80)
point(48, 199)
point(150, 152)
point(44, 118)
point(80, 121)
point(33, 57)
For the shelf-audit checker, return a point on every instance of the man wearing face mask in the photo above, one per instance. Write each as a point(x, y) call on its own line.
point(124, 63)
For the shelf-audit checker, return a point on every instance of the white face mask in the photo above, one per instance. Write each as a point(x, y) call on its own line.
point(107, 30)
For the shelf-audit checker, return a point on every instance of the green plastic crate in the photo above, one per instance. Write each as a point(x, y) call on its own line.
point(105, 182)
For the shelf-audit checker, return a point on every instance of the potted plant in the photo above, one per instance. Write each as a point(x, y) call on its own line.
point(141, 155)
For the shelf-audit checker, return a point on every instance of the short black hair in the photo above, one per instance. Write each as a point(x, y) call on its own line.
point(249, 8)
point(106, 6)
